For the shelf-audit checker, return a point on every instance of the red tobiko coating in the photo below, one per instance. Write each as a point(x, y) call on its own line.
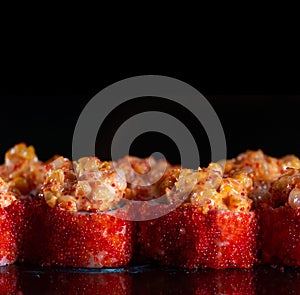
point(16, 212)
point(8, 246)
point(188, 238)
point(63, 238)
point(12, 227)
point(280, 235)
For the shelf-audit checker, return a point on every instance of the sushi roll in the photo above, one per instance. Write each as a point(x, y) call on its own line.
point(280, 221)
point(143, 177)
point(22, 176)
point(273, 182)
point(72, 225)
point(214, 227)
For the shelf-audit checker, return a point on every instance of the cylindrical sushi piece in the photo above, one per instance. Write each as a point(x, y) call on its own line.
point(73, 217)
point(280, 223)
point(213, 228)
point(144, 177)
point(12, 224)
point(22, 175)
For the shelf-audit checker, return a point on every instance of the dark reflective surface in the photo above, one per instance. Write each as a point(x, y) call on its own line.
point(147, 280)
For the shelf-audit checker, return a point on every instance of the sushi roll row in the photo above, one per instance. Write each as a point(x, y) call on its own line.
point(233, 214)
point(239, 213)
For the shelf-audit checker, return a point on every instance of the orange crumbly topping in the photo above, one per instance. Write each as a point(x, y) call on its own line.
point(286, 190)
point(142, 176)
point(207, 188)
point(84, 185)
point(6, 196)
point(262, 169)
point(92, 185)
point(22, 170)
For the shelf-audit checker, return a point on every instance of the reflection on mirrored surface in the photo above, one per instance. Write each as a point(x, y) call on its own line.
point(147, 279)
point(8, 279)
point(174, 281)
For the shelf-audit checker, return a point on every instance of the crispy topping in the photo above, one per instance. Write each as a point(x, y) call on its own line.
point(207, 189)
point(142, 176)
point(256, 164)
point(90, 184)
point(22, 170)
point(285, 190)
point(85, 185)
point(262, 169)
point(168, 180)
point(6, 196)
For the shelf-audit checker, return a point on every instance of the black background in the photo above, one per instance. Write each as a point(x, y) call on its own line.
point(257, 101)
